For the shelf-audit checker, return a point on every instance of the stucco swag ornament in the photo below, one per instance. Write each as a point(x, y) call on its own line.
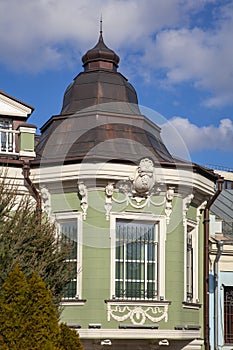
point(137, 314)
point(139, 189)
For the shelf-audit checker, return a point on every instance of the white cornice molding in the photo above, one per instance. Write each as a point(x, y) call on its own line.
point(106, 171)
point(27, 153)
point(28, 130)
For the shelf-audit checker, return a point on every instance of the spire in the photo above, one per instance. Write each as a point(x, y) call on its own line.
point(100, 56)
point(101, 25)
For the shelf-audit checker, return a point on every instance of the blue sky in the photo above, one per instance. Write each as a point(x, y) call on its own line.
point(178, 54)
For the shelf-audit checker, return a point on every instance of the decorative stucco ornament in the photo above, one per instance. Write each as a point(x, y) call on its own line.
point(138, 190)
point(144, 178)
point(108, 199)
point(168, 208)
point(137, 313)
point(186, 204)
point(82, 190)
point(46, 201)
point(199, 211)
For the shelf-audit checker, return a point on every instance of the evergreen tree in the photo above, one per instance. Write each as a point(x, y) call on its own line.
point(69, 339)
point(13, 295)
point(29, 321)
point(32, 245)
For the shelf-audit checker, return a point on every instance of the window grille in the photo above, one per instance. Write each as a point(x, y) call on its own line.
point(189, 268)
point(69, 231)
point(228, 314)
point(136, 269)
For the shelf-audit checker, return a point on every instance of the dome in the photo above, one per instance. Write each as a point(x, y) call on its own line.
point(100, 118)
point(97, 87)
point(100, 53)
point(99, 83)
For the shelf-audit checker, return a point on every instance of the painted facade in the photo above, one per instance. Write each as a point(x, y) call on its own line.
point(133, 212)
point(221, 267)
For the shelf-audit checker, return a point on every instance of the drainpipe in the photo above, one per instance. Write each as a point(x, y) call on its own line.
point(206, 263)
point(34, 191)
point(219, 253)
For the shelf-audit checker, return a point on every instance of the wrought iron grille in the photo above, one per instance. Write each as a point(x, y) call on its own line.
point(69, 232)
point(136, 262)
point(228, 314)
point(189, 267)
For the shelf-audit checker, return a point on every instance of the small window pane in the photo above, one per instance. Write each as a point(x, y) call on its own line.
point(69, 231)
point(70, 290)
point(119, 270)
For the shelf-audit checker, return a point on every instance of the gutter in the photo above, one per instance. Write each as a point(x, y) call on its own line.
point(33, 190)
point(206, 263)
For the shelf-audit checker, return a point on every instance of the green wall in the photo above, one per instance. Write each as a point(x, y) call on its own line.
point(96, 263)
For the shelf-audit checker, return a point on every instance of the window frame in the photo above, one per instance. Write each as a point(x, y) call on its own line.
point(160, 220)
point(191, 231)
point(61, 217)
point(227, 317)
point(6, 136)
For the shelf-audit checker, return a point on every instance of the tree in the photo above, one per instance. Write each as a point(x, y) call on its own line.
point(69, 339)
point(29, 320)
point(32, 245)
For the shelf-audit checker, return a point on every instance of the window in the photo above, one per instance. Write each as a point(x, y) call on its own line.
point(69, 225)
point(136, 266)
point(191, 262)
point(189, 266)
point(6, 137)
point(228, 314)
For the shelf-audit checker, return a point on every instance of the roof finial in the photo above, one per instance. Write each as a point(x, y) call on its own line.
point(101, 25)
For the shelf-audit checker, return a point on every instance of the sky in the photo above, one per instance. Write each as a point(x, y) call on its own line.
point(178, 54)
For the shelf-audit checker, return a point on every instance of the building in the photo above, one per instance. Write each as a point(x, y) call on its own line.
point(221, 266)
point(132, 210)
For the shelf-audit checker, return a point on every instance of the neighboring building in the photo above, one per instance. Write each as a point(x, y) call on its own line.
point(133, 212)
point(17, 138)
point(221, 266)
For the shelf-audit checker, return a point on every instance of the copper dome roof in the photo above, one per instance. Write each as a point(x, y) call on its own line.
point(100, 52)
point(100, 118)
point(99, 83)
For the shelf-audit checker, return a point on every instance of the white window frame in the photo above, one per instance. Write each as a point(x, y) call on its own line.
point(193, 225)
point(144, 217)
point(7, 136)
point(65, 217)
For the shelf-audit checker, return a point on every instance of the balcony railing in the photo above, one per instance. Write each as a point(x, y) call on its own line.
point(8, 141)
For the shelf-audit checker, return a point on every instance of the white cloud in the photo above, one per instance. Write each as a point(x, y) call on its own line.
point(37, 35)
point(200, 56)
point(33, 33)
point(180, 133)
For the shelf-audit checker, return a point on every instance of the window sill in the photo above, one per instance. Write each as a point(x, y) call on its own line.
point(138, 301)
point(72, 302)
point(190, 305)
